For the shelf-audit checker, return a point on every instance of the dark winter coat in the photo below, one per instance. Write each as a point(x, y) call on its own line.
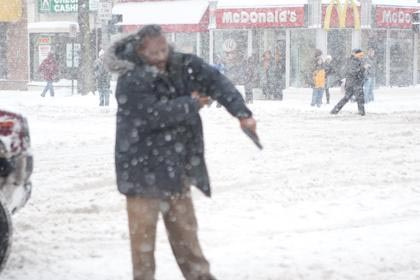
point(355, 76)
point(49, 68)
point(102, 75)
point(159, 147)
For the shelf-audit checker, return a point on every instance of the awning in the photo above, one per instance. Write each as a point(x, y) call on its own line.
point(231, 14)
point(10, 10)
point(51, 26)
point(173, 16)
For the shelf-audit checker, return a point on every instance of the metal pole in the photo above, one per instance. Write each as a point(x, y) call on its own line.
point(72, 66)
point(211, 46)
point(388, 58)
point(416, 59)
point(287, 58)
point(198, 44)
point(250, 39)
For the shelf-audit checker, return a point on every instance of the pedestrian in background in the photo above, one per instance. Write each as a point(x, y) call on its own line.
point(49, 70)
point(318, 83)
point(369, 83)
point(355, 77)
point(267, 75)
point(251, 78)
point(279, 72)
point(103, 80)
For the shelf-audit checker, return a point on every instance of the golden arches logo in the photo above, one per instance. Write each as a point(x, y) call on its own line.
point(342, 14)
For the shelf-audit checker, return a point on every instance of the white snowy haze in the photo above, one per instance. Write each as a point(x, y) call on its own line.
point(329, 197)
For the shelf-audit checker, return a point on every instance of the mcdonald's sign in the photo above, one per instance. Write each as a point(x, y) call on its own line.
point(347, 14)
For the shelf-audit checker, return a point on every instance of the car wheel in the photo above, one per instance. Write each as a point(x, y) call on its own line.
point(5, 233)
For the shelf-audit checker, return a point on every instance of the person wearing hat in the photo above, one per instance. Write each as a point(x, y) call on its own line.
point(159, 148)
point(355, 77)
point(103, 80)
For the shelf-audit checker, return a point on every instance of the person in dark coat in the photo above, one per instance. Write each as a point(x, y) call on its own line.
point(279, 72)
point(103, 80)
point(268, 75)
point(159, 150)
point(49, 70)
point(251, 78)
point(355, 76)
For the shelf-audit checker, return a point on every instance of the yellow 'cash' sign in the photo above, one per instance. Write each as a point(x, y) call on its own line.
point(342, 13)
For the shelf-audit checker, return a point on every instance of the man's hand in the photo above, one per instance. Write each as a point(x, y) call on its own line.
point(201, 100)
point(249, 123)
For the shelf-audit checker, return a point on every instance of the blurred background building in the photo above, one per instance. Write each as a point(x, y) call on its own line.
point(293, 29)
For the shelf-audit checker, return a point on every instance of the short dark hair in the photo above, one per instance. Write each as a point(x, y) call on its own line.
point(147, 31)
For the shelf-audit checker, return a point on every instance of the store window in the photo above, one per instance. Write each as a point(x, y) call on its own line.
point(235, 40)
point(186, 42)
point(376, 39)
point(401, 58)
point(303, 44)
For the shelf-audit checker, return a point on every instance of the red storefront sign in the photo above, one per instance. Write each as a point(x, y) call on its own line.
point(260, 17)
point(394, 17)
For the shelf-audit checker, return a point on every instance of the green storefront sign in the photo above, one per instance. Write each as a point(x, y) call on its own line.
point(63, 6)
point(58, 6)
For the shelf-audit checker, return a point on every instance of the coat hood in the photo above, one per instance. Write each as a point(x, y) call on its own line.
point(121, 56)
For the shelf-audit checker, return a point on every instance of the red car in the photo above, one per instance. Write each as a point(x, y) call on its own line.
point(16, 164)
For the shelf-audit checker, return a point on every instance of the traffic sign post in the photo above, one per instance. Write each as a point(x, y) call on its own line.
point(103, 16)
point(72, 34)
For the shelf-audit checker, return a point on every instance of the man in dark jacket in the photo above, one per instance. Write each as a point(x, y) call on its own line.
point(355, 76)
point(159, 151)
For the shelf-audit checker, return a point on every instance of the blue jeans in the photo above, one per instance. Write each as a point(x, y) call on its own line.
point(49, 87)
point(317, 97)
point(368, 89)
point(104, 97)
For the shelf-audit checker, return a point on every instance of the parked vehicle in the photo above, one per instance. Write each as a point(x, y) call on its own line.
point(16, 164)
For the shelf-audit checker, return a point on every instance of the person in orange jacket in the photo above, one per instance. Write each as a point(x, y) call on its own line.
point(318, 83)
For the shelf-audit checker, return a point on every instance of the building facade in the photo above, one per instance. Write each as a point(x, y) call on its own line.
point(292, 29)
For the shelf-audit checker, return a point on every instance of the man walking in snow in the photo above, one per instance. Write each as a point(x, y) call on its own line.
point(159, 151)
point(355, 76)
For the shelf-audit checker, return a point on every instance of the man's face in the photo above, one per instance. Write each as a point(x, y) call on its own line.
point(359, 55)
point(155, 51)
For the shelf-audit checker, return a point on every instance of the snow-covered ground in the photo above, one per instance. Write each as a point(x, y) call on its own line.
point(330, 197)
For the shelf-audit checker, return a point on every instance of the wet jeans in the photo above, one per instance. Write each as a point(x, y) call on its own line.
point(104, 97)
point(368, 89)
point(49, 87)
point(181, 226)
point(317, 97)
